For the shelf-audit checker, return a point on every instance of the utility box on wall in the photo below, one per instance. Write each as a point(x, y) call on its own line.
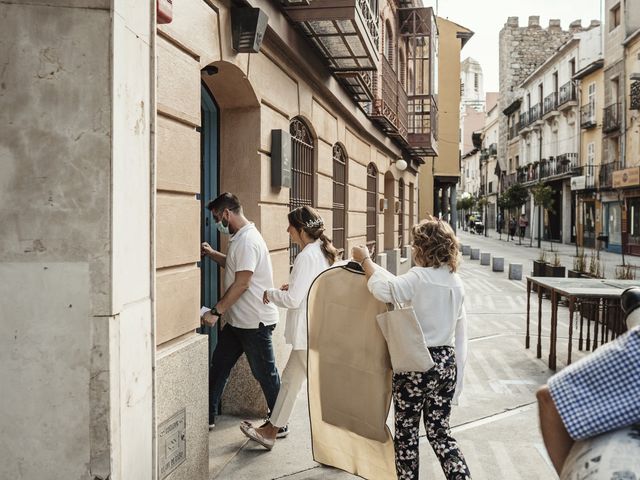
point(280, 159)
point(248, 26)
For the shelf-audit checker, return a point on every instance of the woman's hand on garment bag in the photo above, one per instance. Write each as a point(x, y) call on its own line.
point(284, 287)
point(265, 298)
point(359, 253)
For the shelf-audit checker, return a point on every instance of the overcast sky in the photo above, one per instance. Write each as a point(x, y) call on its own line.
point(486, 19)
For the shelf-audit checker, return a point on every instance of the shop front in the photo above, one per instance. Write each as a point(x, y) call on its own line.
point(627, 182)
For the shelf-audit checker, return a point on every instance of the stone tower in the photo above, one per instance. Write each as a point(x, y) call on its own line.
point(522, 50)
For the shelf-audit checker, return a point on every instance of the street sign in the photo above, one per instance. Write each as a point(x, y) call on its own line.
point(579, 183)
point(629, 177)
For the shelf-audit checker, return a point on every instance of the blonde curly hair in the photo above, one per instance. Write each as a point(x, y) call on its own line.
point(435, 244)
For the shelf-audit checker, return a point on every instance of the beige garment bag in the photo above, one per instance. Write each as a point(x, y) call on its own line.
point(349, 377)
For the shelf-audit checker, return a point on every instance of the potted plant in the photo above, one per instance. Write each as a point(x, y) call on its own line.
point(555, 269)
point(539, 265)
point(579, 265)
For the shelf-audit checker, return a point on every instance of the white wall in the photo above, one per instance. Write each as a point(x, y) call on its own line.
point(75, 244)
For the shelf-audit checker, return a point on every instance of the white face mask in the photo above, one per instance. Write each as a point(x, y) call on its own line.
point(222, 228)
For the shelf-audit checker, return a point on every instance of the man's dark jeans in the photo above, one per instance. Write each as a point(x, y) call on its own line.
point(257, 345)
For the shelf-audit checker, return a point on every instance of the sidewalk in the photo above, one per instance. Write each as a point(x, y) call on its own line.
point(496, 422)
point(525, 254)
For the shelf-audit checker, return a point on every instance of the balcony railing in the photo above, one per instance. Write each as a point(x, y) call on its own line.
point(418, 28)
point(634, 98)
point(567, 94)
point(553, 167)
point(423, 125)
point(345, 32)
point(514, 129)
point(535, 113)
point(493, 149)
point(588, 116)
point(550, 103)
point(589, 174)
point(605, 177)
point(388, 95)
point(358, 84)
point(611, 120)
point(524, 121)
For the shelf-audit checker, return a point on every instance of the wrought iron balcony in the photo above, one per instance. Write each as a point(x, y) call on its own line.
point(567, 96)
point(524, 121)
point(611, 121)
point(605, 177)
point(535, 113)
point(634, 98)
point(550, 103)
point(423, 125)
point(358, 84)
point(589, 174)
point(418, 29)
point(389, 109)
point(588, 116)
point(514, 129)
point(344, 31)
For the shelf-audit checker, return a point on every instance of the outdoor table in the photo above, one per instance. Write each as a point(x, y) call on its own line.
point(603, 293)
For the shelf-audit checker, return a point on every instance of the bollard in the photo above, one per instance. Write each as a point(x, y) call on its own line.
point(466, 249)
point(515, 271)
point(485, 259)
point(498, 264)
point(475, 254)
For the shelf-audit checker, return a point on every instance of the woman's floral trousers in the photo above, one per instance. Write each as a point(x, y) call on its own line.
point(430, 393)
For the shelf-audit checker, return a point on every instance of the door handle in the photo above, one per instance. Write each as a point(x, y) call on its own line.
point(206, 221)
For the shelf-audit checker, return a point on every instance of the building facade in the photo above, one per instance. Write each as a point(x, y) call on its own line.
point(440, 175)
point(522, 49)
point(585, 184)
point(173, 114)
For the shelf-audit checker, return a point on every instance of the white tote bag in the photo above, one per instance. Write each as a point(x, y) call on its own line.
point(405, 341)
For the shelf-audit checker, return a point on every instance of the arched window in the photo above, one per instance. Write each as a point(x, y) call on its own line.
point(339, 196)
point(401, 213)
point(302, 171)
point(372, 207)
point(388, 42)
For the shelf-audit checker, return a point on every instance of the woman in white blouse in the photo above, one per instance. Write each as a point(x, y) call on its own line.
point(436, 292)
point(306, 229)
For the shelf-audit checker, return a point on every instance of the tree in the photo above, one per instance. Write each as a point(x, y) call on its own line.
point(514, 197)
point(466, 203)
point(542, 199)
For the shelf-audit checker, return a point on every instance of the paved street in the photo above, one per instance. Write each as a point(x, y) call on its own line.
point(496, 421)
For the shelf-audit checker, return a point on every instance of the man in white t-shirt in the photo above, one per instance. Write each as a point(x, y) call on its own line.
point(249, 322)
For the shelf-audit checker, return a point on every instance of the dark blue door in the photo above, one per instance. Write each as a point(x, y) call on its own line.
point(209, 138)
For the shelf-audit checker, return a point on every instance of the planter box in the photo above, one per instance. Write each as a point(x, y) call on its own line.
point(576, 274)
point(558, 272)
point(539, 269)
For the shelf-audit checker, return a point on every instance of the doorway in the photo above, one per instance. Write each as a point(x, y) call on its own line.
point(209, 185)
